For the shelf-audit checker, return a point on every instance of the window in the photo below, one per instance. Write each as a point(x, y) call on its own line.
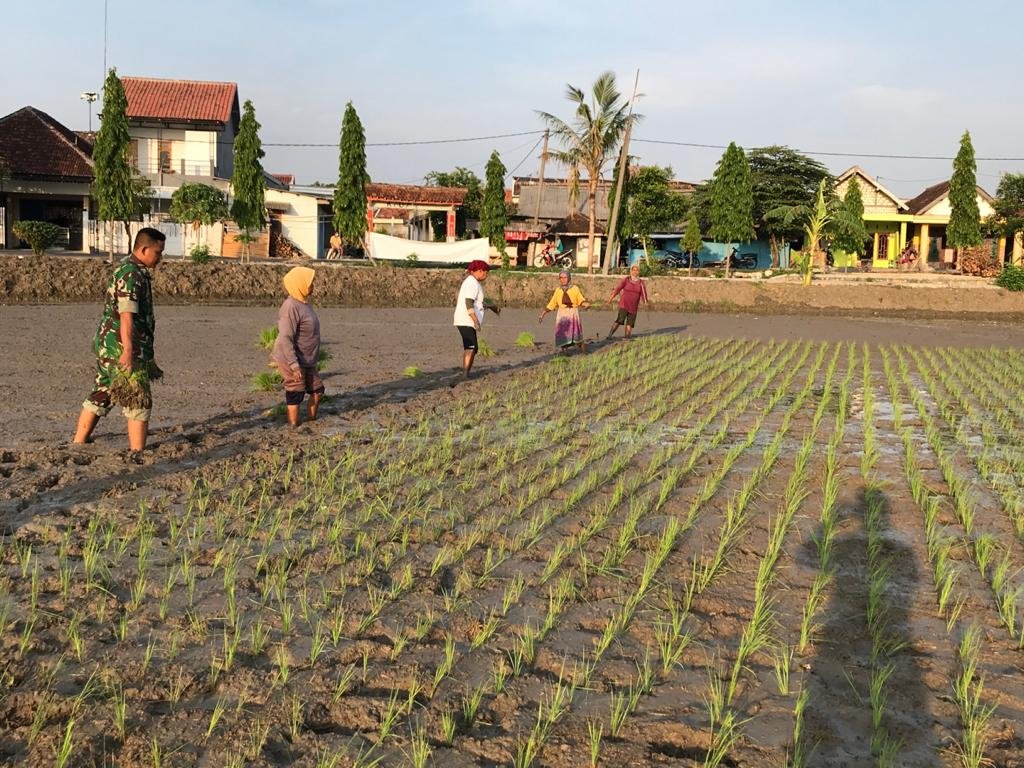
point(164, 153)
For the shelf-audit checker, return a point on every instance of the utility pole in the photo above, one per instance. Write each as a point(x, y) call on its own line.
point(612, 246)
point(89, 96)
point(540, 185)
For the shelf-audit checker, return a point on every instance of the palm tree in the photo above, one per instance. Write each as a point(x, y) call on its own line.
point(591, 137)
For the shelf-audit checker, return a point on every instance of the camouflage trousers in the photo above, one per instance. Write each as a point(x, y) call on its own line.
point(98, 401)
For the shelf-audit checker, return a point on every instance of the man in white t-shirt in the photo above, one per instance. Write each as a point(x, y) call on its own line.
point(469, 311)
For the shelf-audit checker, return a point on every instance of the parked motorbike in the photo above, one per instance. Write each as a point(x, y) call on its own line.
point(739, 260)
point(549, 257)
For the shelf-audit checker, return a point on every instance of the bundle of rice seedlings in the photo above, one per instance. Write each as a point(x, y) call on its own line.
point(412, 372)
point(486, 350)
point(130, 388)
point(525, 339)
point(267, 338)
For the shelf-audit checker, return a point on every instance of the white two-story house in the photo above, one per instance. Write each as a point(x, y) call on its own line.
point(181, 130)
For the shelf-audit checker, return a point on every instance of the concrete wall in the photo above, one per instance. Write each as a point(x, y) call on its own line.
point(299, 221)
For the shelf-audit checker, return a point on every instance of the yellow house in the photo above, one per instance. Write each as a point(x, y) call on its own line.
point(892, 222)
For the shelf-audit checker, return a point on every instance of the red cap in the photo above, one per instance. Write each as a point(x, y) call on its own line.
point(477, 264)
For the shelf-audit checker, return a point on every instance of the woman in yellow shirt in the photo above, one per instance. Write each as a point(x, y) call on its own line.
point(567, 299)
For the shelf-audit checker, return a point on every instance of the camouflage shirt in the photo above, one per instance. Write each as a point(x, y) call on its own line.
point(129, 290)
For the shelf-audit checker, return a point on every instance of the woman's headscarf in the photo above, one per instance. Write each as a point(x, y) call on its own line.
point(568, 275)
point(298, 282)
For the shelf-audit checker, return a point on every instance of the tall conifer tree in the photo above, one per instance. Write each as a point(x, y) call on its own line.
point(851, 236)
point(248, 207)
point(350, 191)
point(493, 213)
point(732, 200)
point(113, 188)
point(964, 228)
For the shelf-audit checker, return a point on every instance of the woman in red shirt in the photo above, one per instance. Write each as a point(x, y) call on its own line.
point(630, 292)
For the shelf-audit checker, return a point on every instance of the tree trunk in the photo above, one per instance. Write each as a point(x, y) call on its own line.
point(728, 257)
point(110, 243)
point(592, 210)
point(775, 251)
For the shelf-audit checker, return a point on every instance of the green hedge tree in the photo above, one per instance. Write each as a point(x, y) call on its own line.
point(113, 187)
point(350, 191)
point(851, 236)
point(732, 200)
point(692, 240)
point(964, 228)
point(248, 207)
point(493, 212)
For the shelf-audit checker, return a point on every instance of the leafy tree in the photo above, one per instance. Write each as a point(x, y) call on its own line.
point(493, 214)
point(653, 204)
point(198, 204)
point(851, 236)
point(590, 138)
point(350, 191)
point(781, 177)
point(964, 228)
point(248, 208)
point(732, 200)
point(692, 240)
point(1008, 218)
point(39, 235)
point(115, 194)
point(470, 208)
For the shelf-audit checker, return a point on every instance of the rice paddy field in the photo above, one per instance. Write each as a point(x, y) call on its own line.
point(681, 550)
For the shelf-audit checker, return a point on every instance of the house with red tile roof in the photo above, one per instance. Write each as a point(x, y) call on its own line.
point(182, 130)
point(46, 171)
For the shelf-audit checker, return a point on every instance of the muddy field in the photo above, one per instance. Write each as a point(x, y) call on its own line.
point(727, 541)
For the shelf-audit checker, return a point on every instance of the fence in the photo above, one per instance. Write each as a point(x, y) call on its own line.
point(181, 238)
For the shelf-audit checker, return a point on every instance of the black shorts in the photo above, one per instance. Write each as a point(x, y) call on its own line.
point(468, 334)
point(626, 318)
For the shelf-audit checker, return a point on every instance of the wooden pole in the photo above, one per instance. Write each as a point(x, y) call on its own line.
point(612, 242)
point(540, 192)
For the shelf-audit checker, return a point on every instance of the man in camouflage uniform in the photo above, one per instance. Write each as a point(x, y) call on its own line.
point(124, 338)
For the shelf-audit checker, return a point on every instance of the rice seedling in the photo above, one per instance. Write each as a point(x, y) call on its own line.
point(525, 339)
point(448, 725)
point(267, 338)
point(215, 715)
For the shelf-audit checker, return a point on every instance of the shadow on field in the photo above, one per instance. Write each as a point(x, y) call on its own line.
point(838, 726)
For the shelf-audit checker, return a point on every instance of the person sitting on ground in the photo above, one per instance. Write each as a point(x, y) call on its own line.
point(297, 348)
point(908, 257)
point(630, 290)
point(335, 250)
point(123, 342)
point(568, 299)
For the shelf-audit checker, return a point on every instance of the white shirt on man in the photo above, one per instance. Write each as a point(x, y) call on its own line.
point(471, 289)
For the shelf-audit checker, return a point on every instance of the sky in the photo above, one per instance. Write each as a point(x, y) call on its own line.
point(871, 77)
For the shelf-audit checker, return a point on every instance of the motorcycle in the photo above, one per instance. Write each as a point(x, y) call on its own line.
point(549, 257)
point(742, 260)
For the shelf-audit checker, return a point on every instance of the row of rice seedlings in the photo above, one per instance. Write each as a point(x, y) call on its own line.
point(530, 635)
point(938, 542)
point(186, 566)
point(994, 563)
point(1000, 465)
point(969, 691)
point(828, 521)
point(885, 643)
point(618, 621)
point(525, 649)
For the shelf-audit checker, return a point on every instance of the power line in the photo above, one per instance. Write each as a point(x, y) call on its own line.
point(409, 143)
point(525, 158)
point(835, 154)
